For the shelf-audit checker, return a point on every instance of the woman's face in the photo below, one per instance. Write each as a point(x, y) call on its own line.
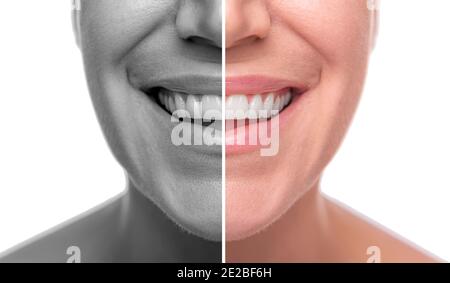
point(143, 60)
point(320, 49)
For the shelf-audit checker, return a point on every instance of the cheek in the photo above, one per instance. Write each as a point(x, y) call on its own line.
point(109, 29)
point(338, 32)
point(341, 35)
point(338, 97)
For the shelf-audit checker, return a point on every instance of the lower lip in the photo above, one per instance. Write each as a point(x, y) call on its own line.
point(231, 136)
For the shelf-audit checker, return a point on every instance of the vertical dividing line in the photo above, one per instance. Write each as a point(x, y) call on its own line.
point(223, 133)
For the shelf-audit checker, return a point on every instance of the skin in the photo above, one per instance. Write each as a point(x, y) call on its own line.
point(171, 210)
point(275, 211)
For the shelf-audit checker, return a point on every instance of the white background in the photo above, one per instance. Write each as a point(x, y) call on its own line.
point(54, 162)
point(393, 166)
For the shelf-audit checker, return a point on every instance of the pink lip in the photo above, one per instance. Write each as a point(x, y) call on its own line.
point(258, 84)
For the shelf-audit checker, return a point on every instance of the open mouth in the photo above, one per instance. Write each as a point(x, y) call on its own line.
point(185, 106)
point(207, 109)
point(258, 106)
point(195, 108)
point(253, 121)
point(258, 99)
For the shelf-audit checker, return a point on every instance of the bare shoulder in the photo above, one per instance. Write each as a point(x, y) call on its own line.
point(87, 236)
point(364, 240)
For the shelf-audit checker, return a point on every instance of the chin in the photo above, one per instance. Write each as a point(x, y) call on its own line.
point(207, 226)
point(195, 213)
point(237, 230)
point(254, 203)
point(250, 212)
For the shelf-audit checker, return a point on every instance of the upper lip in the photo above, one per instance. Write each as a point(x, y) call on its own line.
point(256, 84)
point(185, 82)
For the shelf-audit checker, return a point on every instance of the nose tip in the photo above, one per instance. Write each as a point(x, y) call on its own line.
point(247, 21)
point(200, 21)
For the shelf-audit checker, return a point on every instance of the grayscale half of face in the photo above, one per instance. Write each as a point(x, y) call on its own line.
point(145, 60)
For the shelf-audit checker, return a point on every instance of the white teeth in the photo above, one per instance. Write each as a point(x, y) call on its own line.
point(194, 106)
point(286, 99)
point(237, 106)
point(276, 104)
point(256, 106)
point(179, 101)
point(211, 106)
point(166, 101)
point(198, 106)
point(172, 106)
point(268, 106)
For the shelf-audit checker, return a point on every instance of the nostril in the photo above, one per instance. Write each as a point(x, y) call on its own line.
point(243, 41)
point(200, 22)
point(201, 40)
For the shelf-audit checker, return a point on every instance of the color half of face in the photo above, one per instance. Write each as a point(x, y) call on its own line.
point(145, 60)
point(311, 57)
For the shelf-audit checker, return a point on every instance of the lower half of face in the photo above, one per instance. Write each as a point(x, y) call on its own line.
point(317, 52)
point(141, 71)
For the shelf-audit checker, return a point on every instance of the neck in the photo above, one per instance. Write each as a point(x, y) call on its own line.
point(148, 233)
point(297, 236)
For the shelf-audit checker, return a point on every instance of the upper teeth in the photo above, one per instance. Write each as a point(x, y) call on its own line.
point(197, 106)
point(236, 106)
point(256, 106)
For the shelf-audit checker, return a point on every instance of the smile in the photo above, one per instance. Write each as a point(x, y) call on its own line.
point(251, 107)
point(255, 112)
point(204, 107)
